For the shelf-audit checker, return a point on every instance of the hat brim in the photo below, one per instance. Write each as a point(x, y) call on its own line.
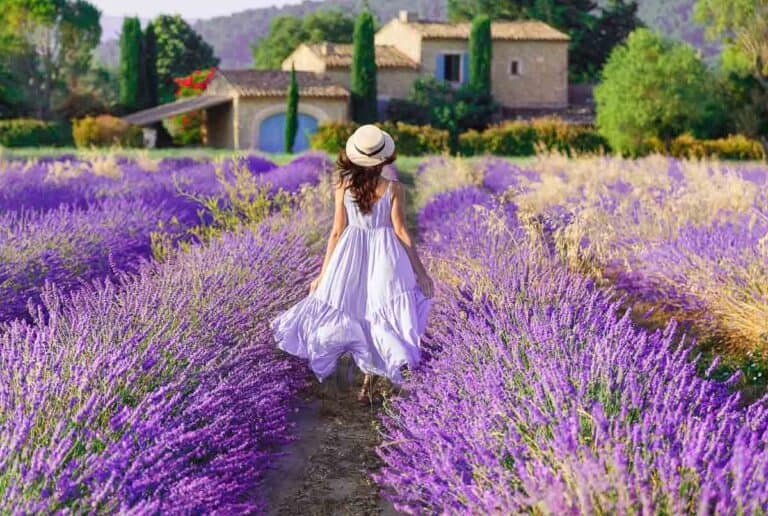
point(358, 158)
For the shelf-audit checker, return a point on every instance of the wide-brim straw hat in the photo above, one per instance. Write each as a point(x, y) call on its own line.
point(369, 146)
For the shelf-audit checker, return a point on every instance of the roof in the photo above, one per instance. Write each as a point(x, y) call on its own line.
point(526, 30)
point(274, 83)
point(337, 55)
point(156, 114)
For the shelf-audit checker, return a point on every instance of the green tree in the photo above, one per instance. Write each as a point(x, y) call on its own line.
point(363, 84)
point(743, 27)
point(288, 32)
point(292, 113)
point(654, 88)
point(131, 65)
point(47, 46)
point(180, 51)
point(480, 55)
point(594, 27)
point(150, 67)
point(441, 105)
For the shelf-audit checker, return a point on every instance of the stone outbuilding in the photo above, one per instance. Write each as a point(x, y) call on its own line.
point(245, 109)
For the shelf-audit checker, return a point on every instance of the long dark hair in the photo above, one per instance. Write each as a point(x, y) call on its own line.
point(362, 181)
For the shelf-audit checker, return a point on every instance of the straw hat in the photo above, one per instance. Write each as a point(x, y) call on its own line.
point(369, 146)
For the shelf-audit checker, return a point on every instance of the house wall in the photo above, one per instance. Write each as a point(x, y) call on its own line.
point(220, 126)
point(390, 82)
point(253, 111)
point(398, 34)
point(304, 60)
point(543, 78)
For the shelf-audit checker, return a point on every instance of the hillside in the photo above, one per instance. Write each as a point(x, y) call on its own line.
point(232, 36)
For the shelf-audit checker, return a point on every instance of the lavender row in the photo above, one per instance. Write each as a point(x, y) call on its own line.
point(690, 238)
point(48, 183)
point(542, 396)
point(72, 244)
point(159, 393)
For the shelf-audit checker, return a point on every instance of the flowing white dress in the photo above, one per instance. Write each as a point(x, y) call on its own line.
point(367, 303)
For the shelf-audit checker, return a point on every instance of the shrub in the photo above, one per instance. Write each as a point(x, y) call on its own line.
point(519, 138)
point(417, 140)
point(332, 136)
point(412, 140)
point(104, 131)
point(28, 132)
point(736, 147)
point(508, 139)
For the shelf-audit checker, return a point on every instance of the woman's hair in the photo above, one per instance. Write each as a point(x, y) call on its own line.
point(361, 180)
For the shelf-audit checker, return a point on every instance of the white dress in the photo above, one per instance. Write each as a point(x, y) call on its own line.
point(367, 302)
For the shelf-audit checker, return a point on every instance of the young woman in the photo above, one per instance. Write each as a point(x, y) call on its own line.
point(373, 294)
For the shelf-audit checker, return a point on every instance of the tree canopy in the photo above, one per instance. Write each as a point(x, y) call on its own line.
point(287, 32)
point(180, 51)
point(49, 44)
point(363, 70)
point(594, 27)
point(654, 88)
point(480, 55)
point(131, 65)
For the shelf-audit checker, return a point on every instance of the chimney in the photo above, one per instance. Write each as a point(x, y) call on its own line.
point(408, 16)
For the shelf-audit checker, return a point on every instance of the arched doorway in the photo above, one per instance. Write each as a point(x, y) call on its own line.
point(272, 133)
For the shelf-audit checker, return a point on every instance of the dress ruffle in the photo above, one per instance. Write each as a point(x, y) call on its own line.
point(380, 344)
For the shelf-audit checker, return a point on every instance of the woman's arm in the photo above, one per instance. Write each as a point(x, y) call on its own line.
point(398, 223)
point(339, 223)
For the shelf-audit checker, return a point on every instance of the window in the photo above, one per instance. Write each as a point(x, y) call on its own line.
point(452, 67)
point(514, 67)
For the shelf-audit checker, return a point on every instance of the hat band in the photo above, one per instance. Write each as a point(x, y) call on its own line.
point(372, 153)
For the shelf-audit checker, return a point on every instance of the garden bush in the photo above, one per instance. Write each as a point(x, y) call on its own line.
point(28, 132)
point(737, 147)
point(412, 140)
point(105, 131)
point(521, 138)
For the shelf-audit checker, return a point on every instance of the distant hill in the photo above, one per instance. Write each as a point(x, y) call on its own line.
point(232, 36)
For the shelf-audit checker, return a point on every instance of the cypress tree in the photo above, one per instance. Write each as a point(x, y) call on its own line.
point(364, 95)
point(130, 65)
point(480, 55)
point(292, 113)
point(150, 67)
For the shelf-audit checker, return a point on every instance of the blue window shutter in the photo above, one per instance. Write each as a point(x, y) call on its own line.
point(464, 67)
point(440, 67)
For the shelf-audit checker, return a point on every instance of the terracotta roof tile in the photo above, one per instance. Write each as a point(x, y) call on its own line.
point(529, 30)
point(337, 55)
point(274, 83)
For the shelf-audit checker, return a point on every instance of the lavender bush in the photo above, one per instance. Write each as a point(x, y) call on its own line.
point(544, 397)
point(160, 393)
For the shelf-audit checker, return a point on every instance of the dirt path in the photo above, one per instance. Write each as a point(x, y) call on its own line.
point(327, 470)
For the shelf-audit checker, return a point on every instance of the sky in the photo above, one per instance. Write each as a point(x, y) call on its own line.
point(190, 10)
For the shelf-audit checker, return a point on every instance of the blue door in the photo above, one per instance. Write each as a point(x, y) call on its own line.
point(272, 133)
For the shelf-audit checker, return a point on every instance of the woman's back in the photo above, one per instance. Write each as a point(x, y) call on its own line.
point(380, 216)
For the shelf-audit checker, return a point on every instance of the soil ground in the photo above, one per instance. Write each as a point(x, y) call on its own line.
point(326, 471)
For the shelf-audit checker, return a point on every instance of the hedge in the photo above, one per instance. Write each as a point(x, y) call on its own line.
point(524, 138)
point(735, 147)
point(412, 140)
point(106, 131)
point(28, 132)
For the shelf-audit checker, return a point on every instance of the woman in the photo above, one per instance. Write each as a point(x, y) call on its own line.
point(373, 294)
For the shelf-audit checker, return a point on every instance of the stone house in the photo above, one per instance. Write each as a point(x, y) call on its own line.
point(529, 70)
point(245, 109)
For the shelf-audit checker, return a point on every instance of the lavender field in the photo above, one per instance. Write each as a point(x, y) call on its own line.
point(598, 343)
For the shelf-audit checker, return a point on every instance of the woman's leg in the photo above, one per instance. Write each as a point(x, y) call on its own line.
point(363, 395)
